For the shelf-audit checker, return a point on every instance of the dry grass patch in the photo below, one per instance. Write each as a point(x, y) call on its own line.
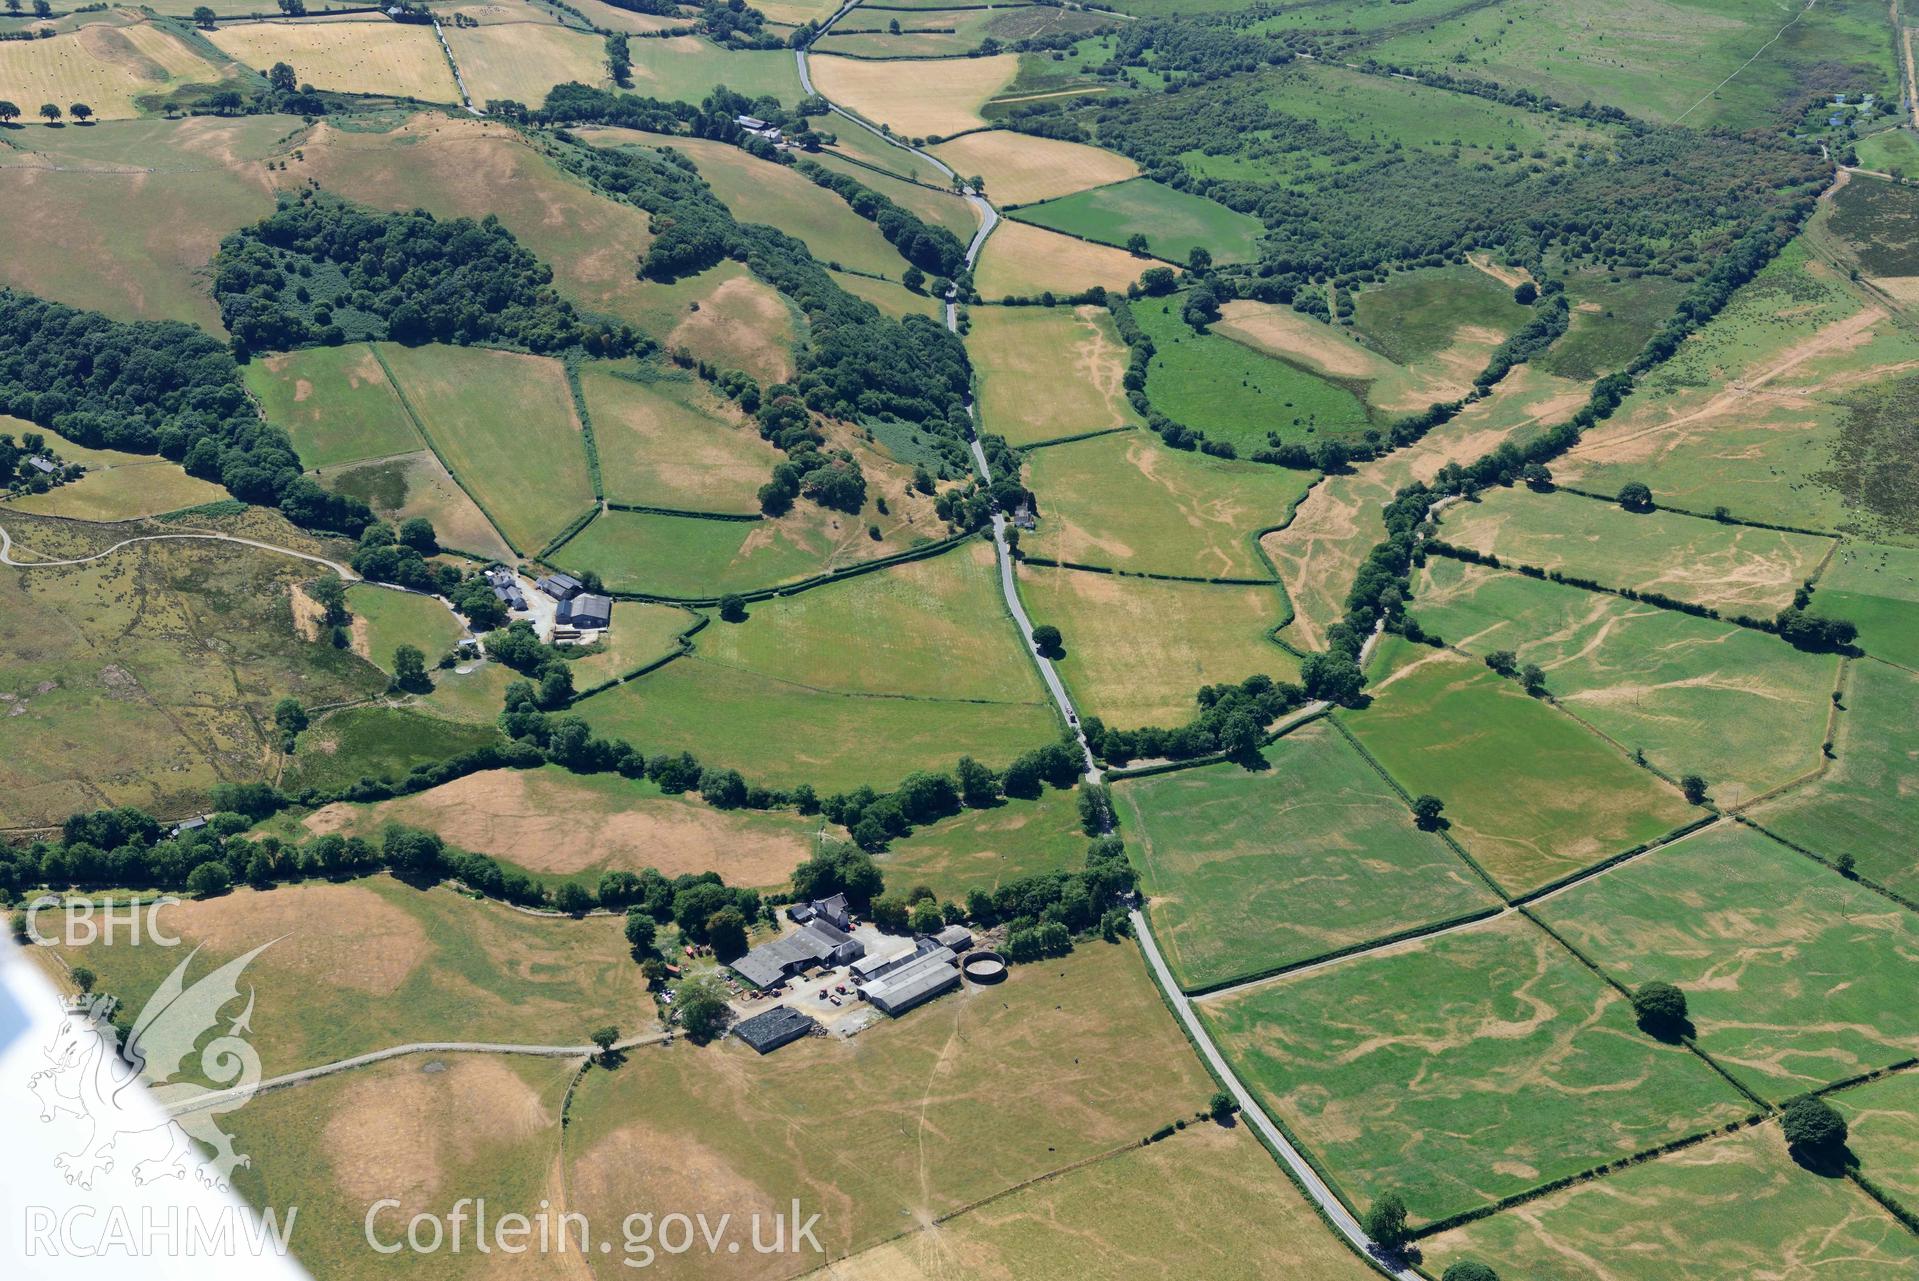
point(1138, 649)
point(1047, 372)
point(550, 821)
point(124, 493)
point(671, 443)
point(742, 323)
point(417, 485)
point(374, 56)
point(1021, 259)
point(916, 98)
point(522, 60)
point(1022, 169)
point(107, 65)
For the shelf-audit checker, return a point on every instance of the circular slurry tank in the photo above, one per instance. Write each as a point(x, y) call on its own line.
point(984, 967)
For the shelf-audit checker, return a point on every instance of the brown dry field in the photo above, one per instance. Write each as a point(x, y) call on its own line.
point(347, 55)
point(460, 167)
point(431, 492)
point(1339, 522)
point(1023, 169)
point(917, 98)
point(523, 60)
point(1019, 258)
point(1280, 331)
point(1048, 372)
point(745, 323)
point(552, 822)
point(106, 64)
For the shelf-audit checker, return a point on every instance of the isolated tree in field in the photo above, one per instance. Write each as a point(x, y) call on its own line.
point(84, 979)
point(1047, 640)
point(9, 112)
point(893, 27)
point(1426, 812)
point(1814, 1128)
point(978, 183)
point(50, 111)
point(1385, 1221)
point(1847, 865)
point(1525, 293)
point(203, 17)
point(1220, 1107)
point(80, 111)
point(604, 1037)
point(1469, 1270)
point(1694, 788)
point(732, 609)
point(701, 1007)
point(1532, 678)
point(409, 670)
point(1503, 661)
point(42, 8)
point(1136, 244)
point(289, 716)
point(282, 79)
point(1635, 496)
point(1661, 1008)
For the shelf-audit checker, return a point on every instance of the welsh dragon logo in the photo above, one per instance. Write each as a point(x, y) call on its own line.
point(92, 1078)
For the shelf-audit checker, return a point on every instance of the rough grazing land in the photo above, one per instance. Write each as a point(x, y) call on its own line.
point(1020, 354)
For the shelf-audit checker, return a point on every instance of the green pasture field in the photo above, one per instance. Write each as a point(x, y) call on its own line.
point(505, 426)
point(1742, 709)
point(1736, 569)
point(1174, 222)
point(781, 733)
point(1203, 1203)
point(126, 491)
point(1413, 115)
point(367, 964)
point(983, 849)
point(933, 628)
point(1611, 321)
point(936, 204)
point(924, 33)
point(1893, 151)
point(691, 557)
point(641, 632)
point(1233, 393)
point(416, 484)
point(1417, 314)
point(1867, 803)
point(403, 1129)
point(475, 696)
point(761, 191)
point(384, 620)
point(688, 68)
point(1794, 976)
point(895, 300)
point(1734, 1206)
point(861, 144)
point(149, 677)
point(376, 742)
point(1463, 1068)
point(335, 402)
point(1020, 354)
point(1880, 221)
point(1126, 502)
point(1710, 62)
point(1139, 649)
point(1366, 16)
point(1790, 406)
point(205, 184)
point(669, 442)
point(1876, 588)
point(1065, 1061)
point(1882, 1118)
point(1531, 794)
point(559, 827)
point(1248, 870)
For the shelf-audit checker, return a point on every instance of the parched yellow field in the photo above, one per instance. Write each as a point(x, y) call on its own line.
point(1019, 258)
point(916, 98)
point(103, 65)
point(348, 56)
point(604, 15)
point(1138, 649)
point(1021, 169)
point(1278, 330)
point(1047, 372)
point(522, 60)
point(124, 493)
point(674, 444)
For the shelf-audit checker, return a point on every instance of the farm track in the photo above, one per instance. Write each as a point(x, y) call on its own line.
point(1330, 1205)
